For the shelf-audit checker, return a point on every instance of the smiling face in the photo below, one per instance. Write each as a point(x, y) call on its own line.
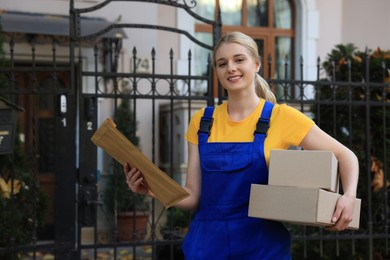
point(236, 68)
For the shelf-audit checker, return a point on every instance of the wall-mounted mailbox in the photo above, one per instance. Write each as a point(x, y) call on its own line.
point(8, 122)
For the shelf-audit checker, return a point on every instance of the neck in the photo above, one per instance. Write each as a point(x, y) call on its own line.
point(241, 107)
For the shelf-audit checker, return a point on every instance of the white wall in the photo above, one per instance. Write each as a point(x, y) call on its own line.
point(330, 26)
point(36, 6)
point(361, 22)
point(366, 23)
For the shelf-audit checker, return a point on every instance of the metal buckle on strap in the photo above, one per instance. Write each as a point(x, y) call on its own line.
point(262, 126)
point(205, 125)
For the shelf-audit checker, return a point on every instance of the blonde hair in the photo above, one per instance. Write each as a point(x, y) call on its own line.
point(261, 85)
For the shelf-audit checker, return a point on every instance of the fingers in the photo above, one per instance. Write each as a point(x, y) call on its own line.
point(341, 222)
point(342, 215)
point(129, 171)
point(337, 214)
point(134, 179)
point(126, 168)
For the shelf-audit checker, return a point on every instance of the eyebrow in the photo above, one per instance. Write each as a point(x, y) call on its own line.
point(235, 56)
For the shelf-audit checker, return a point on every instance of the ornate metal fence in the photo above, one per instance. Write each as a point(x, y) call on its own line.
point(348, 99)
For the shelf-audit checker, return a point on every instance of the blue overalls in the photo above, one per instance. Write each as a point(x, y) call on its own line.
point(221, 228)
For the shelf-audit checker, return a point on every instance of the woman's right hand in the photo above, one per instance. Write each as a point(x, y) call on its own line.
point(134, 180)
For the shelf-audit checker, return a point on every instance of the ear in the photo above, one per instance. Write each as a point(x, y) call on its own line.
point(258, 65)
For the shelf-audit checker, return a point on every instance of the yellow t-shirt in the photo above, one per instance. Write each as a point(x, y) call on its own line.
point(288, 127)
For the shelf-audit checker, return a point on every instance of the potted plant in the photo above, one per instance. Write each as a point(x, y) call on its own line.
point(130, 209)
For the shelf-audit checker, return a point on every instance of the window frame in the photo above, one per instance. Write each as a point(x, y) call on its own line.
point(267, 34)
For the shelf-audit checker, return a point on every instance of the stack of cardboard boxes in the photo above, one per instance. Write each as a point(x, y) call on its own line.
point(302, 188)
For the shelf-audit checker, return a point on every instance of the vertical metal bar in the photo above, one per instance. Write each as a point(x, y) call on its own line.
point(134, 135)
point(34, 170)
point(11, 160)
point(210, 83)
point(302, 89)
point(304, 242)
point(385, 163)
point(66, 224)
point(334, 116)
point(353, 246)
point(334, 95)
point(35, 152)
point(72, 66)
point(54, 65)
point(285, 84)
point(366, 84)
point(12, 210)
point(153, 83)
point(217, 33)
point(189, 81)
point(33, 72)
point(12, 61)
point(269, 62)
point(318, 92)
point(171, 127)
point(321, 241)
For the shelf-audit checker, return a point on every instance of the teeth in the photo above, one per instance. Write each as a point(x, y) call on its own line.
point(234, 78)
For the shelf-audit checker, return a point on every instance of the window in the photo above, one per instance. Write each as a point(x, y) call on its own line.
point(269, 22)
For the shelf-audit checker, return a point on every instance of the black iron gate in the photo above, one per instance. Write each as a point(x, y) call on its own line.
point(43, 157)
point(127, 93)
point(64, 102)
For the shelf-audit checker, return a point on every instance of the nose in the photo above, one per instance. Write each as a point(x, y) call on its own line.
point(231, 67)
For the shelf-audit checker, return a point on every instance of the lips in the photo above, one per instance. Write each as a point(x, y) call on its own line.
point(234, 78)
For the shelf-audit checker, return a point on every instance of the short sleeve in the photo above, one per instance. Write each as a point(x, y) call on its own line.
point(293, 125)
point(193, 127)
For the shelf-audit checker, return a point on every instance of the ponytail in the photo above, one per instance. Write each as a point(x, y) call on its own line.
point(263, 90)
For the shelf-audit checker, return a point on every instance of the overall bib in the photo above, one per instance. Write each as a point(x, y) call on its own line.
point(221, 228)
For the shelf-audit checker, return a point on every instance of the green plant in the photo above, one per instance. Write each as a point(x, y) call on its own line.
point(117, 195)
point(23, 205)
point(176, 227)
point(347, 80)
point(376, 61)
point(179, 218)
point(338, 60)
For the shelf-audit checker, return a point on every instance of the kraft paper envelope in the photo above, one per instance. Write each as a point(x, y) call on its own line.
point(113, 142)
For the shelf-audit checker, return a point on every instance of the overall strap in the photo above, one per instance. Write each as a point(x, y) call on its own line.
point(263, 122)
point(206, 123)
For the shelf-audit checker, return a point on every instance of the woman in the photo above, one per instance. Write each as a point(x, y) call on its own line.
point(227, 155)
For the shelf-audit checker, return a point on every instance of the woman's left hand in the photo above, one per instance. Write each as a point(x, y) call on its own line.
point(342, 215)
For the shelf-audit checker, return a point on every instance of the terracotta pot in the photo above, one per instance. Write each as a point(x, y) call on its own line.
point(128, 223)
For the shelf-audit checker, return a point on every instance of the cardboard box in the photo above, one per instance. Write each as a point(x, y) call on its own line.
point(310, 169)
point(306, 206)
